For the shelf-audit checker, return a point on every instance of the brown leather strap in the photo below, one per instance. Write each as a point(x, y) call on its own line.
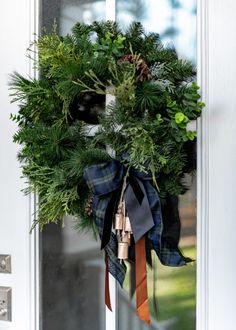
point(141, 281)
point(107, 287)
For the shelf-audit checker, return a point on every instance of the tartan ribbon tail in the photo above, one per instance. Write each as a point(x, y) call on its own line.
point(107, 287)
point(142, 306)
point(109, 216)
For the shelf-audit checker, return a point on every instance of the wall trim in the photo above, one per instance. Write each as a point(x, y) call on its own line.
point(203, 169)
point(34, 262)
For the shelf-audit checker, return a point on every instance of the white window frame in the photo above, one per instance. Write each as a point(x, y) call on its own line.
point(111, 317)
point(202, 313)
point(34, 245)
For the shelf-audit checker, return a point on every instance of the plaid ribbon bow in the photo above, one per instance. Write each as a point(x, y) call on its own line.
point(105, 181)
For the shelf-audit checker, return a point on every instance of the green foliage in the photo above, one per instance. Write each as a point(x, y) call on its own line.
point(110, 45)
point(146, 126)
point(147, 95)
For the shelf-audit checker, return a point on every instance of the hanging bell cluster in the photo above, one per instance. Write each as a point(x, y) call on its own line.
point(123, 230)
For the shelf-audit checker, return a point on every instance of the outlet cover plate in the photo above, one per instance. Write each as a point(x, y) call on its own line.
point(5, 263)
point(5, 303)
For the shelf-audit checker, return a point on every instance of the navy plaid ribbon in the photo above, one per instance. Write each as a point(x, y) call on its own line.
point(105, 180)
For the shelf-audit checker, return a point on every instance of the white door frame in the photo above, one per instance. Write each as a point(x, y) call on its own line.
point(18, 22)
point(34, 253)
point(202, 170)
point(216, 289)
point(111, 317)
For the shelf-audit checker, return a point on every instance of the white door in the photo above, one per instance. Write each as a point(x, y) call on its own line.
point(17, 23)
point(216, 170)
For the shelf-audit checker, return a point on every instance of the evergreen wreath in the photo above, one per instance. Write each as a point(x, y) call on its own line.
point(146, 127)
point(156, 97)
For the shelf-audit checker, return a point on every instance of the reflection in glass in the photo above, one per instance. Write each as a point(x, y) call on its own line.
point(80, 11)
point(175, 307)
point(72, 268)
point(68, 12)
point(175, 20)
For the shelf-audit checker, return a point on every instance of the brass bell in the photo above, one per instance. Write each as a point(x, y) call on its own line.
point(127, 227)
point(119, 221)
point(123, 250)
point(125, 238)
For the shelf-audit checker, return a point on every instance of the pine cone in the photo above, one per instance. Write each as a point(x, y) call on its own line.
point(88, 207)
point(142, 67)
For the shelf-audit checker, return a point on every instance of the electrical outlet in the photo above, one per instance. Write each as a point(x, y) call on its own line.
point(5, 263)
point(5, 303)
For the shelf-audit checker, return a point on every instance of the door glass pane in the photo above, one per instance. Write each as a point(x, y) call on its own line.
point(72, 268)
point(68, 12)
point(70, 289)
point(175, 21)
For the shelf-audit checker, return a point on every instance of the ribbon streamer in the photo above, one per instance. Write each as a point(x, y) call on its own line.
point(107, 286)
point(141, 281)
point(138, 208)
point(104, 180)
point(109, 216)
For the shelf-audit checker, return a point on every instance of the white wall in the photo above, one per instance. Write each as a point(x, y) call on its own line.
point(217, 165)
point(15, 19)
point(222, 164)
